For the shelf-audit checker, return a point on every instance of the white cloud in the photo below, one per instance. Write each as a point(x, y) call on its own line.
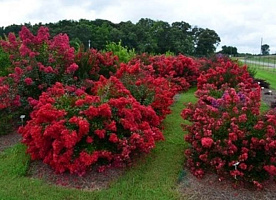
point(240, 23)
point(15, 11)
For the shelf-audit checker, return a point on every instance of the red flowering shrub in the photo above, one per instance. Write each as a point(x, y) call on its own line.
point(38, 61)
point(71, 130)
point(180, 70)
point(92, 64)
point(146, 89)
point(225, 72)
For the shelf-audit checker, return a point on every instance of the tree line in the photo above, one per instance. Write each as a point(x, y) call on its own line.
point(146, 35)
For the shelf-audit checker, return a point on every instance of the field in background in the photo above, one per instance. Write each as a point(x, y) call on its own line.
point(260, 62)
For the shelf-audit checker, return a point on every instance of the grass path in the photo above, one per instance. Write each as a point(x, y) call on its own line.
point(153, 177)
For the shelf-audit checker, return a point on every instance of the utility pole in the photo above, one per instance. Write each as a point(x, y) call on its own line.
point(261, 45)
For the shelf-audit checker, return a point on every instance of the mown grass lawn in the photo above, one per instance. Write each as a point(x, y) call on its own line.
point(269, 76)
point(153, 177)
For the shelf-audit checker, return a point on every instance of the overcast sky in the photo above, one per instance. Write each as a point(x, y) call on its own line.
point(239, 23)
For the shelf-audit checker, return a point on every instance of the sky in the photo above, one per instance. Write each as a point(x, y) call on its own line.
point(245, 24)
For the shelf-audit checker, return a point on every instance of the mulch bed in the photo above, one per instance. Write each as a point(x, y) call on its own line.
point(9, 140)
point(92, 180)
point(268, 98)
point(210, 188)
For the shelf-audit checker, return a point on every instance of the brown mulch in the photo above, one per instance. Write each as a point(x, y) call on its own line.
point(210, 188)
point(268, 99)
point(9, 140)
point(92, 180)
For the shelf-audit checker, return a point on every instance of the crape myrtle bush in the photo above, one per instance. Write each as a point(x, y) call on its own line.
point(222, 72)
point(228, 134)
point(180, 71)
point(92, 64)
point(146, 89)
point(37, 62)
point(72, 130)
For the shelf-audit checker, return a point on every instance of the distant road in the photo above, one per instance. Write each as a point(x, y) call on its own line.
point(266, 64)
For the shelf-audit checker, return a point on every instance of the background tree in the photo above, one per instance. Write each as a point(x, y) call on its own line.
point(229, 50)
point(265, 49)
point(206, 41)
point(181, 38)
point(147, 35)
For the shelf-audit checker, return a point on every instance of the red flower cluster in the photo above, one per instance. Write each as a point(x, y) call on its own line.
point(228, 134)
point(180, 71)
point(224, 72)
point(145, 88)
point(72, 130)
point(92, 64)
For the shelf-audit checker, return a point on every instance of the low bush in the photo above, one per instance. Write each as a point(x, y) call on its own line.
point(72, 131)
point(124, 54)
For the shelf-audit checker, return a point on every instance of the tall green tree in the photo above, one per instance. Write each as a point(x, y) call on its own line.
point(229, 50)
point(265, 49)
point(145, 42)
point(206, 41)
point(129, 36)
point(160, 34)
point(146, 35)
point(181, 38)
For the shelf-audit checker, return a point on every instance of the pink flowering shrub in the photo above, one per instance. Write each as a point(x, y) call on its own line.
point(228, 135)
point(37, 62)
point(72, 130)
